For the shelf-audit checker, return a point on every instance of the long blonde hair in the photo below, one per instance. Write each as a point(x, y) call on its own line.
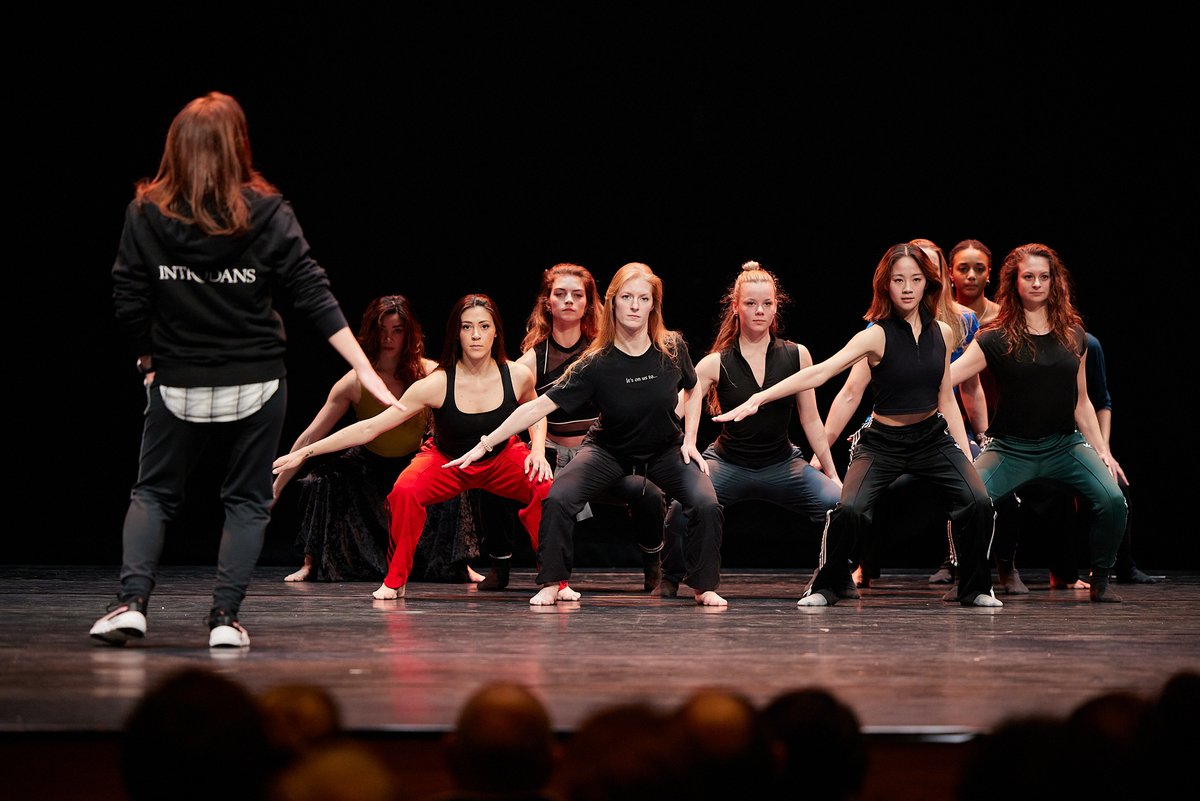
point(947, 306)
point(666, 340)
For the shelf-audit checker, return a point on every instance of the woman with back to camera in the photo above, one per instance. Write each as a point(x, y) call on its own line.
point(1045, 426)
point(755, 459)
point(632, 372)
point(206, 245)
point(914, 428)
point(473, 387)
point(563, 323)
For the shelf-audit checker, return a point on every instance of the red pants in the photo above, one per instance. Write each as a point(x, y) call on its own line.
point(426, 482)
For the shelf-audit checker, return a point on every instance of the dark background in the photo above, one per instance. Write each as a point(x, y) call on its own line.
point(438, 153)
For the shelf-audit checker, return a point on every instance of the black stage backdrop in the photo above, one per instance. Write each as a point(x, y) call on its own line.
point(438, 153)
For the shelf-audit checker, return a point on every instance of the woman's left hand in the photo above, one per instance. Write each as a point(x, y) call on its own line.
point(537, 468)
point(689, 453)
point(1114, 468)
point(468, 458)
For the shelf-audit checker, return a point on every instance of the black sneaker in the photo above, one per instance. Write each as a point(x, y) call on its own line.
point(224, 631)
point(125, 620)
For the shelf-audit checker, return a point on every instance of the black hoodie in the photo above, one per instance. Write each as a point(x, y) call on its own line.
point(201, 305)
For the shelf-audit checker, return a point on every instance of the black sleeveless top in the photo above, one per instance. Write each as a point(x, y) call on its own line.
point(552, 361)
point(455, 432)
point(761, 439)
point(907, 379)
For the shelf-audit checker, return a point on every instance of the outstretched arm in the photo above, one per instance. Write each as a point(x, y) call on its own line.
point(343, 394)
point(868, 342)
point(418, 397)
point(810, 418)
point(969, 365)
point(522, 417)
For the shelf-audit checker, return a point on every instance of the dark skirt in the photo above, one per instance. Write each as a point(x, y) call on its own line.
point(344, 521)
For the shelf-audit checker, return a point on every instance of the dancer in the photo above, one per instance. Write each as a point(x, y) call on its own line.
point(343, 514)
point(564, 321)
point(473, 388)
point(963, 323)
point(914, 427)
point(632, 372)
point(754, 459)
point(204, 245)
point(1045, 426)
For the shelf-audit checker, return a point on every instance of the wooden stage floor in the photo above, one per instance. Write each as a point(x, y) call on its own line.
point(907, 662)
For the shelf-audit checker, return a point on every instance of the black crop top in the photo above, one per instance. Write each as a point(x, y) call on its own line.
point(909, 376)
point(761, 439)
point(455, 432)
point(552, 361)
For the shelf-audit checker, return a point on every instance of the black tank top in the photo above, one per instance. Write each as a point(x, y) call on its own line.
point(552, 361)
point(761, 439)
point(907, 379)
point(456, 432)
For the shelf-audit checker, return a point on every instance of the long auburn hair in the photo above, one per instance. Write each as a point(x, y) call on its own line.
point(663, 338)
point(947, 308)
point(881, 305)
point(411, 366)
point(205, 166)
point(1060, 311)
point(452, 344)
point(731, 324)
point(541, 323)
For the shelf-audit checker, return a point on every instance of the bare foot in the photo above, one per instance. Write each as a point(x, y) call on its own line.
point(710, 598)
point(386, 593)
point(546, 596)
point(474, 577)
point(1059, 584)
point(565, 593)
point(303, 573)
point(857, 575)
point(986, 600)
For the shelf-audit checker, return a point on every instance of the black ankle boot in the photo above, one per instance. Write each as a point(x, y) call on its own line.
point(1099, 592)
point(652, 570)
point(497, 577)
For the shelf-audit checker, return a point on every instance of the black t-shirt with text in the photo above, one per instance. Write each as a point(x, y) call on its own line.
point(636, 396)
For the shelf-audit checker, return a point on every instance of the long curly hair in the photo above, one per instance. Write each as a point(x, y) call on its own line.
point(1060, 311)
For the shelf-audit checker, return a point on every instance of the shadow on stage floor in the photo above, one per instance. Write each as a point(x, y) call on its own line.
point(923, 675)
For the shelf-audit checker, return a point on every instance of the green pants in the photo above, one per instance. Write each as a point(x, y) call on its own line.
point(1009, 462)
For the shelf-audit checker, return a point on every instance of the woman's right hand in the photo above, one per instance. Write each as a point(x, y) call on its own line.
point(290, 461)
point(467, 458)
point(739, 412)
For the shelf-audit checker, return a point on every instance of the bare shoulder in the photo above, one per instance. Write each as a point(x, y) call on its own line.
point(430, 390)
point(709, 367)
point(521, 375)
point(529, 359)
point(428, 365)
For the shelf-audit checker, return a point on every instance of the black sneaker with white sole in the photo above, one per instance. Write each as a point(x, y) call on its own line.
point(224, 631)
point(125, 620)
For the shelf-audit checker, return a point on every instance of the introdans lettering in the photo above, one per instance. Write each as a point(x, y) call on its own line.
point(650, 377)
point(234, 275)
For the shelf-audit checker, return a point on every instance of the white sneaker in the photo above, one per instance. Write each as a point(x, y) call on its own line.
point(231, 636)
point(125, 620)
